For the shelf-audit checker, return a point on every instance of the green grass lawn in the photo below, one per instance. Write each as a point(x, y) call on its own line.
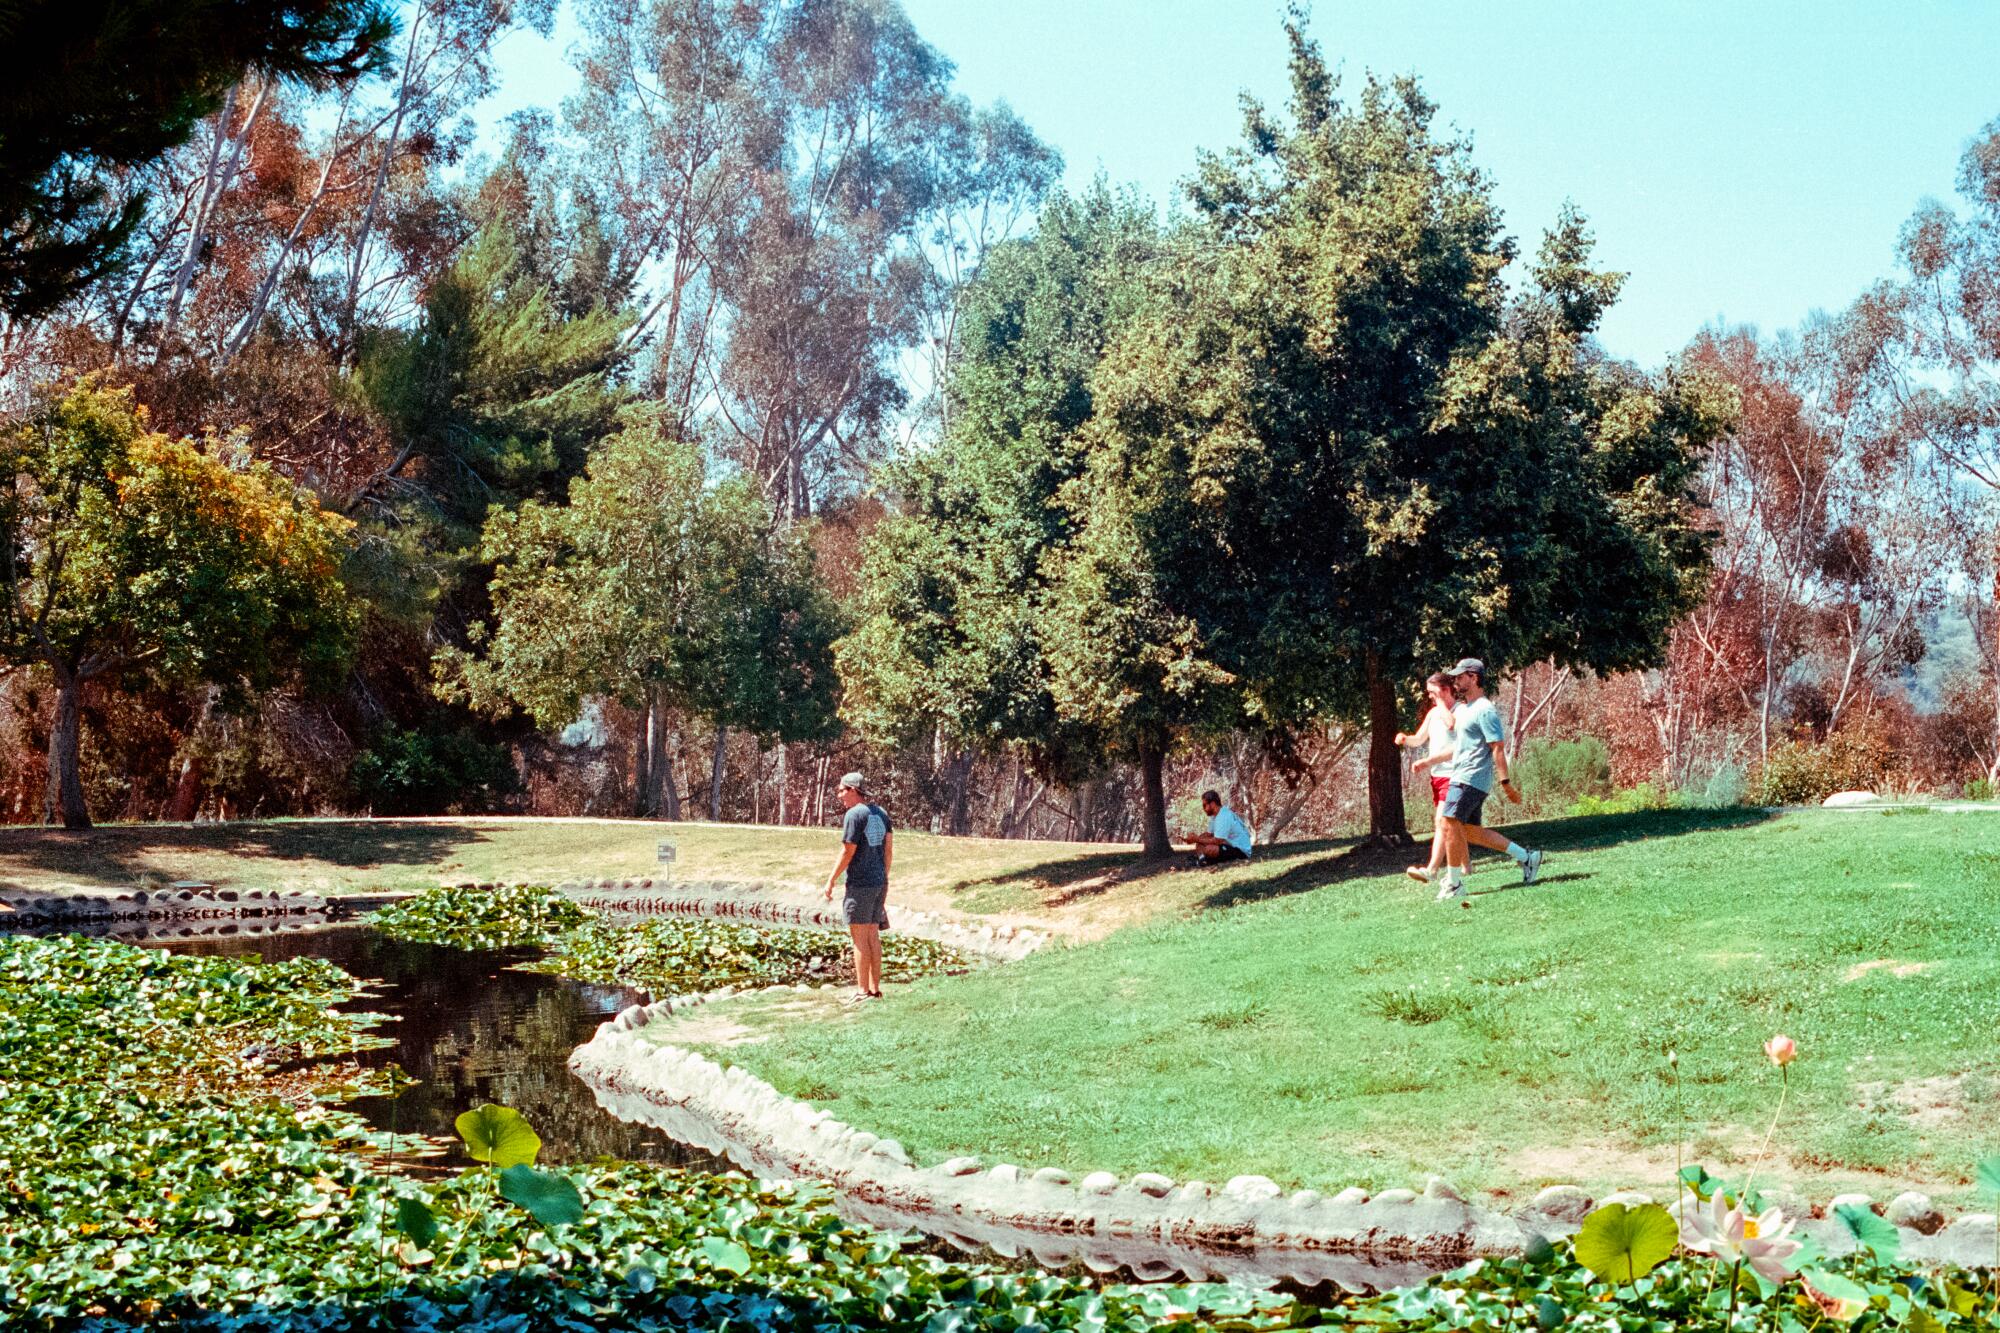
point(1323, 1023)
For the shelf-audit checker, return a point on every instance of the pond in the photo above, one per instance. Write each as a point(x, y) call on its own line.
point(472, 1029)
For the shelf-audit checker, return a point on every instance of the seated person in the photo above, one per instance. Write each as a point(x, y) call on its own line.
point(1227, 839)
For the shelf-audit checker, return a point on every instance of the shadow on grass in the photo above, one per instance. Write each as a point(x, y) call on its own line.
point(1308, 867)
point(120, 854)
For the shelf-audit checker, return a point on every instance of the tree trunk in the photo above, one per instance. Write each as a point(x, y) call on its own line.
point(1386, 825)
point(715, 774)
point(666, 791)
point(1153, 825)
point(187, 791)
point(642, 765)
point(784, 783)
point(65, 791)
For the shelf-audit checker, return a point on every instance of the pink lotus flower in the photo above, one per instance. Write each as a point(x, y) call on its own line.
point(1782, 1050)
point(1733, 1236)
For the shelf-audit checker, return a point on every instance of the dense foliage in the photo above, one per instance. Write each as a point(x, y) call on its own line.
point(664, 955)
point(498, 918)
point(423, 771)
point(131, 557)
point(674, 954)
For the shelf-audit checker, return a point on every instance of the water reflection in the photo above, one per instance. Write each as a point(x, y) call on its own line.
point(473, 1031)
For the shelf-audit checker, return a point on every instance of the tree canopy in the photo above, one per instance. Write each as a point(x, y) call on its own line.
point(1320, 451)
point(652, 586)
point(133, 556)
point(91, 86)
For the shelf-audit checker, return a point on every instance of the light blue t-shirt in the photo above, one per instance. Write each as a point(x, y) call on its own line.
point(1230, 829)
point(1475, 726)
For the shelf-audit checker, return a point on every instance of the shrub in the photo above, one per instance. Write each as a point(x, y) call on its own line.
point(1553, 775)
point(427, 773)
point(1629, 801)
point(1979, 789)
point(1801, 773)
point(1723, 787)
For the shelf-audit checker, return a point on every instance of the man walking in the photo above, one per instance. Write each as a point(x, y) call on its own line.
point(868, 845)
point(1479, 753)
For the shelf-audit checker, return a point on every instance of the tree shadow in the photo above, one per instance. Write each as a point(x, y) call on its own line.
point(121, 854)
point(1576, 834)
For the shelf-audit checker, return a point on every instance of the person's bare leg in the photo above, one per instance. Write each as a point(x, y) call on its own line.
point(1456, 854)
point(860, 936)
point(1486, 837)
point(868, 958)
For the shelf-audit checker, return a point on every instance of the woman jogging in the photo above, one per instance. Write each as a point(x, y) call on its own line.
point(1434, 736)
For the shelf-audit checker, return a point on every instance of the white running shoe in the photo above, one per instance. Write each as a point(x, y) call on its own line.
point(1531, 869)
point(1421, 874)
point(1451, 892)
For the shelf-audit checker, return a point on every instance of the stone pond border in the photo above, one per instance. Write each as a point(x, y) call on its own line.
point(178, 903)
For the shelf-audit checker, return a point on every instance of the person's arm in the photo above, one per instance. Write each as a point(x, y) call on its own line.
point(888, 851)
point(840, 867)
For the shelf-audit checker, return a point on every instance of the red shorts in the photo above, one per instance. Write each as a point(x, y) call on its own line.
point(1439, 786)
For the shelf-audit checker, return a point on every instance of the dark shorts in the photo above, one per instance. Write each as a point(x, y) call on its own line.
point(1223, 853)
point(867, 906)
point(1463, 803)
point(1440, 787)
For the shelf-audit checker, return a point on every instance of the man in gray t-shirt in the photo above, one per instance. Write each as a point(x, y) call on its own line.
point(867, 847)
point(1478, 755)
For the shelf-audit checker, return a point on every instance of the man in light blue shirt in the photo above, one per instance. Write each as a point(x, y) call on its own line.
point(1227, 839)
point(1479, 753)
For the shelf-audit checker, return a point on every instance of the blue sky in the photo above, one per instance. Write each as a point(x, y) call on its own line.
point(1745, 160)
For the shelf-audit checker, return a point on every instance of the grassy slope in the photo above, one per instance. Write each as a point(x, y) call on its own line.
point(351, 855)
point(1345, 1029)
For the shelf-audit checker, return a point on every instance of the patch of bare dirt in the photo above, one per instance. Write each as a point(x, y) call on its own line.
point(1930, 1103)
point(1893, 966)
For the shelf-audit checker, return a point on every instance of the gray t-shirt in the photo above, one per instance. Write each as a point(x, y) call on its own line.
point(866, 826)
point(1476, 727)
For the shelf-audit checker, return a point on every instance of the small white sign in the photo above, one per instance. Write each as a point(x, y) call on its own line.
point(667, 852)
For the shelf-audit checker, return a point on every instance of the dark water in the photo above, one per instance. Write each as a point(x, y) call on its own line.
point(472, 1031)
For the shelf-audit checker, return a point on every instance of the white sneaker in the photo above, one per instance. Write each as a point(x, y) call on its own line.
point(1531, 869)
point(1451, 892)
point(1421, 874)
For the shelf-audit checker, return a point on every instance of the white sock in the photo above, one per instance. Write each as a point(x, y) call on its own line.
point(1518, 852)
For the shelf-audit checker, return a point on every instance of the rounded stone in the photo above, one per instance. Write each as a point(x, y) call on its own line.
point(1630, 1198)
point(1153, 1184)
point(1565, 1203)
point(1915, 1211)
point(1051, 1175)
point(1395, 1196)
point(1351, 1196)
point(1437, 1187)
point(1252, 1187)
point(1098, 1182)
point(892, 1150)
point(1005, 1174)
point(1305, 1199)
point(1196, 1190)
point(958, 1166)
point(1861, 1201)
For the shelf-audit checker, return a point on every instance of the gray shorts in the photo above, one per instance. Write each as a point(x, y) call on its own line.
point(1463, 802)
point(867, 906)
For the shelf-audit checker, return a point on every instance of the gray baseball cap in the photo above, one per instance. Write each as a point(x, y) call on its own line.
point(1468, 666)
point(855, 781)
